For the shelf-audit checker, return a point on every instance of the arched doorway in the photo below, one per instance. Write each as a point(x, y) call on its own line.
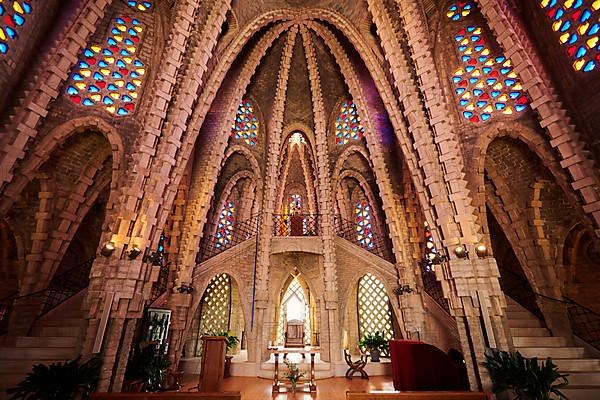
point(296, 304)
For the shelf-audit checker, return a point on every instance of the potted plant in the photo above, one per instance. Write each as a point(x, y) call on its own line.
point(518, 378)
point(375, 343)
point(148, 364)
point(70, 380)
point(293, 374)
point(232, 341)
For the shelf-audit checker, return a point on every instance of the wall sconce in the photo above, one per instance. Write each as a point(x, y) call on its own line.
point(134, 252)
point(107, 249)
point(481, 250)
point(399, 291)
point(437, 258)
point(154, 258)
point(185, 288)
point(461, 251)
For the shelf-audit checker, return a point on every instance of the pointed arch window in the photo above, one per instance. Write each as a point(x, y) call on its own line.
point(374, 311)
point(140, 5)
point(347, 125)
point(13, 15)
point(295, 203)
point(294, 306)
point(245, 126)
point(577, 26)
point(225, 224)
point(364, 230)
point(111, 76)
point(485, 83)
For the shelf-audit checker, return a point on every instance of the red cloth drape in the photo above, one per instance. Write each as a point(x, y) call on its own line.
point(419, 366)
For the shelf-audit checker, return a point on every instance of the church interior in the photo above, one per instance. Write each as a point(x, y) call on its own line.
point(311, 199)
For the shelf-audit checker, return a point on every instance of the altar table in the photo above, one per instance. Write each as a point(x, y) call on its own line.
point(276, 351)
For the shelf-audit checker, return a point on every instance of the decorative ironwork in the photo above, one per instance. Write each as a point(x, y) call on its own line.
point(212, 245)
point(379, 245)
point(374, 311)
point(215, 308)
point(295, 225)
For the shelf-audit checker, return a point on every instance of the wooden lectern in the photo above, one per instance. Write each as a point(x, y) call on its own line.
point(213, 363)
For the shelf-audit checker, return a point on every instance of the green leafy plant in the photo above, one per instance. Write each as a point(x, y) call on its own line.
point(293, 374)
point(232, 340)
point(374, 341)
point(149, 364)
point(527, 378)
point(59, 381)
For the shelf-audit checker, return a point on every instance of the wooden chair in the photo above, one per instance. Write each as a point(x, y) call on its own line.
point(294, 334)
point(356, 366)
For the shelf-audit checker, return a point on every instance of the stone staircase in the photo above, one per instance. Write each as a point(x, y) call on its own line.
point(55, 337)
point(532, 339)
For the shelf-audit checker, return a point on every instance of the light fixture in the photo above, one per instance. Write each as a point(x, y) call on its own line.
point(107, 249)
point(481, 250)
point(399, 291)
point(437, 258)
point(133, 252)
point(461, 251)
point(186, 288)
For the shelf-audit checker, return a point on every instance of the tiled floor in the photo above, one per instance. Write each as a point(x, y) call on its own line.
point(327, 389)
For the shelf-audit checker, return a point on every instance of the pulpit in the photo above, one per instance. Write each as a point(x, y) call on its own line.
point(213, 363)
point(294, 334)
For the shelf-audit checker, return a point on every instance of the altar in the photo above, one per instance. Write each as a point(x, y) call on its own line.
point(312, 351)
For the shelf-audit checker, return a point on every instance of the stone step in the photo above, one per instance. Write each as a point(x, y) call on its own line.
point(584, 378)
point(525, 323)
point(65, 331)
point(36, 353)
point(575, 392)
point(540, 341)
point(578, 365)
point(554, 352)
point(48, 341)
point(535, 332)
point(520, 315)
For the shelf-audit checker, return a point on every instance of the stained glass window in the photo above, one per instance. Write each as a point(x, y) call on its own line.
point(13, 15)
point(347, 125)
point(430, 250)
point(374, 311)
point(485, 84)
point(295, 204)
point(225, 225)
point(215, 311)
point(577, 24)
point(364, 232)
point(458, 10)
point(245, 126)
point(140, 5)
point(110, 76)
point(294, 306)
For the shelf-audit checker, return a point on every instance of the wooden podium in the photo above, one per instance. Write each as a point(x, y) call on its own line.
point(213, 363)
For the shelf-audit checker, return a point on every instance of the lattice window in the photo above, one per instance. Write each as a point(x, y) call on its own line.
point(110, 76)
point(140, 5)
point(295, 204)
point(577, 24)
point(374, 311)
point(245, 126)
point(225, 225)
point(13, 15)
point(294, 297)
point(347, 125)
point(215, 311)
point(486, 84)
point(364, 230)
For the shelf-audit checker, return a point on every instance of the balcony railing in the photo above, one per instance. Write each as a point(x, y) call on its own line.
point(295, 225)
point(433, 288)
point(378, 244)
point(242, 231)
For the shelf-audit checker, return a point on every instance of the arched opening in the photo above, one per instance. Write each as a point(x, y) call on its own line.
point(296, 308)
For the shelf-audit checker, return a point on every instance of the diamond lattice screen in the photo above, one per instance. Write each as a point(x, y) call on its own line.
point(577, 25)
point(293, 290)
point(216, 305)
point(374, 312)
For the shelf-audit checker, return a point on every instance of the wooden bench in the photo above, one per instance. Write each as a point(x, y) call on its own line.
point(417, 396)
point(168, 396)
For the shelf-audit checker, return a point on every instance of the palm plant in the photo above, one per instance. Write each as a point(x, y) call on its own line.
point(527, 378)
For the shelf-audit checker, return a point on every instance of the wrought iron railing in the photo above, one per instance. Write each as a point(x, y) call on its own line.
point(378, 244)
point(295, 225)
point(61, 288)
point(213, 245)
point(433, 288)
point(585, 323)
point(161, 285)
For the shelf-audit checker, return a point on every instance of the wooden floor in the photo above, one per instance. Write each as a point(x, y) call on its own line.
point(327, 389)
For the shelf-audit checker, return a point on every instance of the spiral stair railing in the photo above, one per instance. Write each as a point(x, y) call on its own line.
point(242, 231)
point(379, 245)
